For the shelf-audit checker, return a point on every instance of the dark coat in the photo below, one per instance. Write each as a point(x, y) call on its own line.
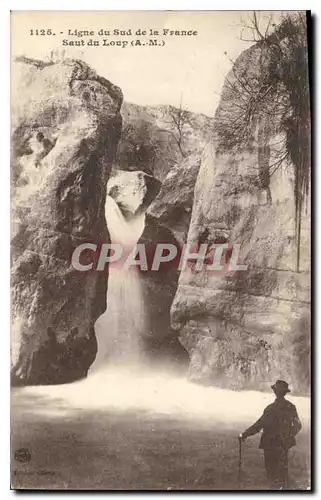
point(280, 424)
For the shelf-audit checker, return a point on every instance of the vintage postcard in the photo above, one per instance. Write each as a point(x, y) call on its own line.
point(160, 225)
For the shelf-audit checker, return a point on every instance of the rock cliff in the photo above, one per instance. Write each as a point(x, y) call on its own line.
point(165, 142)
point(243, 329)
point(65, 128)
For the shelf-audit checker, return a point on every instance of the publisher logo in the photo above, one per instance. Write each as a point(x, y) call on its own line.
point(22, 455)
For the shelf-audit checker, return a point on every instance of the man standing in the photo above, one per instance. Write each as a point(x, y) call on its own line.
point(280, 424)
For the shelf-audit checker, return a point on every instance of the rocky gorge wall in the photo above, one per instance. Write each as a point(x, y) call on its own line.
point(65, 128)
point(243, 329)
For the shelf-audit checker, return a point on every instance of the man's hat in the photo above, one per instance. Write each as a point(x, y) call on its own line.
point(281, 384)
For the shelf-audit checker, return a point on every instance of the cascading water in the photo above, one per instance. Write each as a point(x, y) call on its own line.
point(128, 417)
point(120, 329)
point(132, 383)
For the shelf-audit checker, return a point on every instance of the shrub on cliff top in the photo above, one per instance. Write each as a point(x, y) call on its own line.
point(268, 88)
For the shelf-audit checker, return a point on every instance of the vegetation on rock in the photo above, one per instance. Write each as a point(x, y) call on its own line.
point(269, 83)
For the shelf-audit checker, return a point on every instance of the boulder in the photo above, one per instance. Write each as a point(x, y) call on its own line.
point(133, 191)
point(65, 129)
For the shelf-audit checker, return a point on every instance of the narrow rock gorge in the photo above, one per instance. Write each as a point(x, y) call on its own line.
point(160, 251)
point(71, 134)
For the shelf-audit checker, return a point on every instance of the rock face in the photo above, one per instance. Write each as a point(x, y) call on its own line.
point(159, 287)
point(65, 129)
point(173, 205)
point(246, 328)
point(243, 329)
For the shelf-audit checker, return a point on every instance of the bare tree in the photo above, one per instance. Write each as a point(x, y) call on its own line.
point(256, 33)
point(177, 119)
point(273, 90)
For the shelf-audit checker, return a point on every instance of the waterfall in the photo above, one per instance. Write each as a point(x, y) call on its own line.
point(119, 330)
point(119, 379)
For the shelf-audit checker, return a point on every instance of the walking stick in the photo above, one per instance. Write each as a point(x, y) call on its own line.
point(240, 459)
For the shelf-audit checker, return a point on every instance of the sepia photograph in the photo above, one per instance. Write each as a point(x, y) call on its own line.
point(160, 250)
